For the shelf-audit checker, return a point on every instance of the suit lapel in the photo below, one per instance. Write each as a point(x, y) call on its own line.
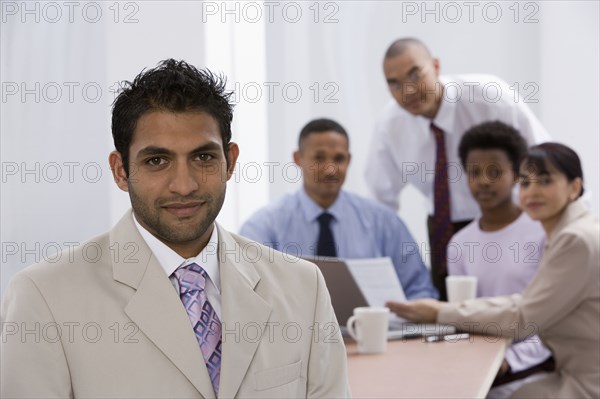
point(156, 308)
point(243, 310)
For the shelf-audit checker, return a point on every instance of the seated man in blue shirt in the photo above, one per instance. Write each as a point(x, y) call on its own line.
point(323, 219)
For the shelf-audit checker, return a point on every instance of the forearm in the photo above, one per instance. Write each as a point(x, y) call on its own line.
point(499, 316)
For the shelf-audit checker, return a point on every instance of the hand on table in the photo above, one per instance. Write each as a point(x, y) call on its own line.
point(420, 310)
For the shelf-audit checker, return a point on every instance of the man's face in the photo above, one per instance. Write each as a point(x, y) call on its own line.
point(412, 78)
point(178, 176)
point(324, 159)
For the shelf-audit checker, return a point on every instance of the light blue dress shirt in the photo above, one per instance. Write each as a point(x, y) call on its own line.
point(362, 228)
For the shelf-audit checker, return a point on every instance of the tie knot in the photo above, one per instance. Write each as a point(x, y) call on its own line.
point(190, 278)
point(437, 132)
point(325, 218)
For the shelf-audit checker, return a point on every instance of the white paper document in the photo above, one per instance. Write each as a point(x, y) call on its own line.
point(377, 280)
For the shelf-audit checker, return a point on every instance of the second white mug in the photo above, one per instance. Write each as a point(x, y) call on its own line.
point(461, 288)
point(369, 328)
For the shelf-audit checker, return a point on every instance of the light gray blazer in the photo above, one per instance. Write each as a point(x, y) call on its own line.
point(107, 323)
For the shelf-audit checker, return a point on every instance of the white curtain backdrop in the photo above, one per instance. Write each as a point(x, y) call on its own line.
point(289, 62)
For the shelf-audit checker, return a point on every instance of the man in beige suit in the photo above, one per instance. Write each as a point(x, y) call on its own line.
point(111, 319)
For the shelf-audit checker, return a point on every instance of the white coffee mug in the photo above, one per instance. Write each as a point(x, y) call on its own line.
point(461, 288)
point(369, 327)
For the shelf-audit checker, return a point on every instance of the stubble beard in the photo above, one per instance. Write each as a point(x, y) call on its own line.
point(150, 216)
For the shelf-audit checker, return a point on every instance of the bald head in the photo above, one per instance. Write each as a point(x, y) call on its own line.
point(412, 76)
point(399, 46)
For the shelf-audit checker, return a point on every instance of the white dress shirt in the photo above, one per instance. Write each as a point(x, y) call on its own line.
point(170, 261)
point(362, 228)
point(403, 147)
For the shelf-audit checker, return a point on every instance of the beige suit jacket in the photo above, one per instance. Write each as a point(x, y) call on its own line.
point(105, 322)
point(561, 304)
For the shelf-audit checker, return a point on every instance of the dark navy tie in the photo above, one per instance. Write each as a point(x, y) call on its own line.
point(326, 244)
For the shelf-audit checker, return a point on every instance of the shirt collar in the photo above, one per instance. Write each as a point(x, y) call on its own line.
point(312, 210)
point(445, 115)
point(170, 260)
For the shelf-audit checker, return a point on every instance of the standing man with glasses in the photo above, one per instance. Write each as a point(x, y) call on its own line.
point(416, 138)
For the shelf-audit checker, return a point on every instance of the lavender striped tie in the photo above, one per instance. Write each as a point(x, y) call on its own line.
point(190, 281)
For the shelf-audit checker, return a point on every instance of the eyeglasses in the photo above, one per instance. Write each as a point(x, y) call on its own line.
point(413, 77)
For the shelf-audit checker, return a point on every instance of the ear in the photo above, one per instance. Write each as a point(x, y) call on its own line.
point(298, 158)
point(436, 66)
point(118, 171)
point(233, 151)
point(576, 186)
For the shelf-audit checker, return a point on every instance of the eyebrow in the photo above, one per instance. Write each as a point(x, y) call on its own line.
point(410, 71)
point(525, 176)
point(413, 69)
point(154, 150)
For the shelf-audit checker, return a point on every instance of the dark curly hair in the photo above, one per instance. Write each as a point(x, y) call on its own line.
point(174, 86)
point(494, 135)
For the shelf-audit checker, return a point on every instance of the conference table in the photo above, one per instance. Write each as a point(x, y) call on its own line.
point(413, 368)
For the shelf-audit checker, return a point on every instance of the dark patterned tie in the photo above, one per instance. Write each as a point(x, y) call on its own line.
point(442, 225)
point(326, 243)
point(191, 281)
